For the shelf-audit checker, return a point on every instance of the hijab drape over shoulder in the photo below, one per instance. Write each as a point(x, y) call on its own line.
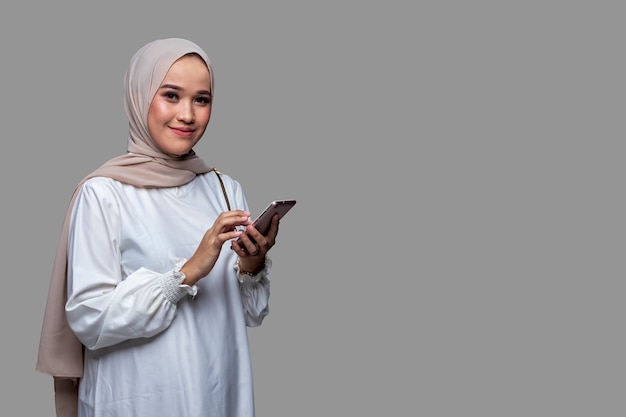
point(145, 166)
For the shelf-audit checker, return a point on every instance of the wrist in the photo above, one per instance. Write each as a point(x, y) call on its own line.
point(188, 274)
point(248, 269)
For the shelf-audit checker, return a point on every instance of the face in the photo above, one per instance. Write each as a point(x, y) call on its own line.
point(181, 108)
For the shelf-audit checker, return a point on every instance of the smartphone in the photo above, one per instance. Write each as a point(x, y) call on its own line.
point(263, 222)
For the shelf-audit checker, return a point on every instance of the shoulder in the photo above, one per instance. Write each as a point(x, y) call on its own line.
point(102, 189)
point(100, 185)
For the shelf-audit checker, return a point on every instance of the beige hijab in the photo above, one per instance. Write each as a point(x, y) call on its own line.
point(60, 352)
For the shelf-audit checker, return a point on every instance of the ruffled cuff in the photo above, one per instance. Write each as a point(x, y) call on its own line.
point(171, 283)
point(246, 279)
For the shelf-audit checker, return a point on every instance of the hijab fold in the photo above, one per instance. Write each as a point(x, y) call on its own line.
point(144, 165)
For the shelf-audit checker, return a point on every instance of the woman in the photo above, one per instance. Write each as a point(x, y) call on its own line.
point(150, 293)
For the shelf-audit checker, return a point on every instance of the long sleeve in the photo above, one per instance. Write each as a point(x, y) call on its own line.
point(104, 309)
point(255, 294)
point(255, 290)
point(142, 305)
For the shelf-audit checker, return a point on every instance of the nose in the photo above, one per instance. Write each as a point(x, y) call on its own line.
point(185, 113)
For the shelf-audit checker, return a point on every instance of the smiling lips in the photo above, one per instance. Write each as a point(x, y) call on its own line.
point(184, 131)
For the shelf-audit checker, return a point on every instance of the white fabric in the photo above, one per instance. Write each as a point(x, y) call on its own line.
point(154, 347)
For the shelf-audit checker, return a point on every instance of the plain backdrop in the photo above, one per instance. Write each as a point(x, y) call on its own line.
point(458, 244)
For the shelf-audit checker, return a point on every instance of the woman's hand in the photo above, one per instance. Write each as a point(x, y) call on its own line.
point(251, 254)
point(204, 258)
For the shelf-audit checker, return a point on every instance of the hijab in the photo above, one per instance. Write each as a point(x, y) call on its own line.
point(145, 166)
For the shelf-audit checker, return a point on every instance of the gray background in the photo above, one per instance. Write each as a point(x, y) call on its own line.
point(457, 248)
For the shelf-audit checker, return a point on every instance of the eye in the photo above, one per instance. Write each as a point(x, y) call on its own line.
point(203, 100)
point(170, 95)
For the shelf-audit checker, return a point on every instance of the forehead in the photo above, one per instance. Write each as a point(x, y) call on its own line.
point(189, 69)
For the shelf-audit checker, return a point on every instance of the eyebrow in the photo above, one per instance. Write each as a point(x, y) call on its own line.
point(177, 88)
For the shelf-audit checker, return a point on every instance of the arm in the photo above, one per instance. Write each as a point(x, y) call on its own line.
point(104, 309)
point(253, 271)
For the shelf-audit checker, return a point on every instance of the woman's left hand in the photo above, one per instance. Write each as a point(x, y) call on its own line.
point(251, 254)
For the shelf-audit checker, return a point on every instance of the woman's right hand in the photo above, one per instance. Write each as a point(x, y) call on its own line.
point(204, 258)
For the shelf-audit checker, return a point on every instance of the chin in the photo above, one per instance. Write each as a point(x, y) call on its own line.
point(179, 150)
point(176, 152)
point(175, 146)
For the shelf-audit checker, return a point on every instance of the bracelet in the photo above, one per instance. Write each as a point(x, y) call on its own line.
point(242, 272)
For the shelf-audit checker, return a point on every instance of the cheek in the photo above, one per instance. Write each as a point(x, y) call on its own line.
point(204, 116)
point(158, 112)
point(207, 112)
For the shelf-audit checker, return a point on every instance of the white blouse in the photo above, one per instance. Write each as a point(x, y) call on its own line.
point(155, 347)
